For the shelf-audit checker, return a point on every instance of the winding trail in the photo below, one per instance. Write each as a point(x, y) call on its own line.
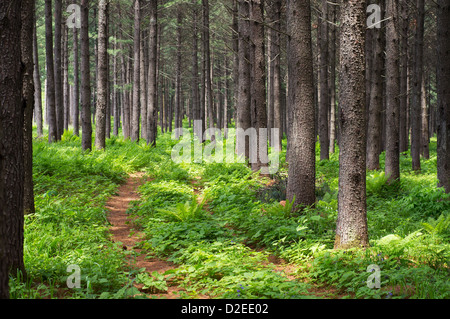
point(123, 231)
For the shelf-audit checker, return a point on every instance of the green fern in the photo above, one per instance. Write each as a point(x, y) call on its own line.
point(375, 182)
point(282, 210)
point(438, 226)
point(186, 211)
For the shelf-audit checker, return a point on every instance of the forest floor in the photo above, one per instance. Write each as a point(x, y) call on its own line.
point(123, 231)
point(139, 225)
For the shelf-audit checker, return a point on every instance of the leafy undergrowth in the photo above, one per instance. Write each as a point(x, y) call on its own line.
point(220, 232)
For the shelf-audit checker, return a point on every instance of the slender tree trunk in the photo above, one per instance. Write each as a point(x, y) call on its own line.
point(443, 89)
point(208, 71)
point(235, 41)
point(143, 72)
point(102, 78)
point(403, 134)
point(66, 88)
point(258, 103)
point(152, 113)
point(178, 102)
point(376, 103)
point(301, 108)
point(275, 14)
point(416, 89)
point(50, 97)
point(351, 228)
point(425, 148)
point(37, 85)
point(11, 140)
point(392, 165)
point(136, 72)
point(243, 103)
point(28, 18)
point(324, 96)
point(332, 83)
point(58, 70)
point(86, 124)
point(115, 91)
point(196, 111)
point(76, 85)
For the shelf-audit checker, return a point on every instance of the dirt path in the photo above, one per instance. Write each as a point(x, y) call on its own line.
point(123, 231)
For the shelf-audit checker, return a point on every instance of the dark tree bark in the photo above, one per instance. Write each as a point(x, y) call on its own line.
point(258, 98)
point(152, 112)
point(404, 132)
point(58, 71)
point(235, 41)
point(196, 107)
point(332, 84)
point(243, 103)
point(392, 165)
point(76, 84)
point(37, 86)
point(86, 124)
point(143, 73)
point(351, 230)
point(425, 139)
point(275, 48)
point(206, 48)
point(178, 92)
point(301, 108)
point(136, 72)
point(11, 141)
point(65, 76)
point(443, 89)
point(28, 8)
point(102, 77)
point(50, 95)
point(324, 96)
point(376, 103)
point(416, 87)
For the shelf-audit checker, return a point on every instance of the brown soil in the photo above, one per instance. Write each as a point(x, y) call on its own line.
point(122, 230)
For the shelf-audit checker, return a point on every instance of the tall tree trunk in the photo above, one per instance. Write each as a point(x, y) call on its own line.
point(37, 85)
point(152, 112)
point(424, 144)
point(376, 103)
point(76, 85)
point(178, 92)
point(416, 89)
point(332, 83)
point(243, 103)
point(275, 16)
point(208, 71)
point(136, 72)
point(28, 18)
point(102, 78)
point(66, 88)
point(301, 108)
point(324, 96)
point(443, 89)
point(258, 103)
point(351, 226)
point(392, 165)
point(11, 141)
point(58, 70)
point(235, 44)
point(50, 96)
point(143, 73)
point(86, 124)
point(403, 134)
point(196, 111)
